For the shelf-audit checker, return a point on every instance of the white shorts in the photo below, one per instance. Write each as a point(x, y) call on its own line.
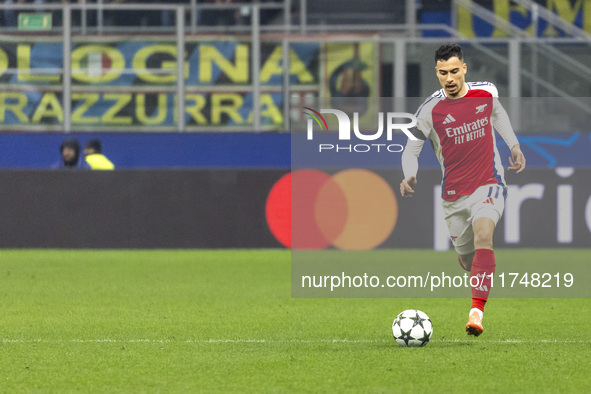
point(487, 201)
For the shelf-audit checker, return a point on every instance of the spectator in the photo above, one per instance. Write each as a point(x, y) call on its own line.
point(94, 158)
point(70, 152)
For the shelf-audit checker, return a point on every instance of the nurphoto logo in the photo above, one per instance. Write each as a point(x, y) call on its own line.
point(390, 119)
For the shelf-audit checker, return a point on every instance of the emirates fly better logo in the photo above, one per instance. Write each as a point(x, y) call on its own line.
point(386, 123)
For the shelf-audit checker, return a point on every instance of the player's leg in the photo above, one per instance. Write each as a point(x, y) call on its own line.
point(459, 224)
point(482, 269)
point(487, 206)
point(465, 261)
point(484, 228)
point(458, 218)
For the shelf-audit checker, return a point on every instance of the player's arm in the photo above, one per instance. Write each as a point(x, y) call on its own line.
point(410, 162)
point(502, 124)
point(518, 162)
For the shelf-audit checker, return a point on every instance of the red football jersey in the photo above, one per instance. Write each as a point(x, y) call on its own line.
point(462, 135)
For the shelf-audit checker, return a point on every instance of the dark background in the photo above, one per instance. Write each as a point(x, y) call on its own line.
point(226, 209)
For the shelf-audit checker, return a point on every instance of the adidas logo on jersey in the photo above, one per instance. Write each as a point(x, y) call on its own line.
point(448, 119)
point(489, 201)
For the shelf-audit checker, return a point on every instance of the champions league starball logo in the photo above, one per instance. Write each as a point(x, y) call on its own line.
point(349, 131)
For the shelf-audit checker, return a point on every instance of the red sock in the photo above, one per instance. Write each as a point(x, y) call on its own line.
point(483, 267)
point(478, 303)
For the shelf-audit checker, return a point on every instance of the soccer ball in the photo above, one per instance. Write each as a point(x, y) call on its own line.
point(412, 328)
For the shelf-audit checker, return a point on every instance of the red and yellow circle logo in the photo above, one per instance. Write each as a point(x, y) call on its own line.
point(353, 209)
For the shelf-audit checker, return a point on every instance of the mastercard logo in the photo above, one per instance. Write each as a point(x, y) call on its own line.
point(353, 209)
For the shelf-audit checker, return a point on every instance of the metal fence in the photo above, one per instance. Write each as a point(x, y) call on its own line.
point(521, 65)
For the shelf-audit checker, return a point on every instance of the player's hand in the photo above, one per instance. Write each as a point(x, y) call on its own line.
point(518, 160)
point(407, 186)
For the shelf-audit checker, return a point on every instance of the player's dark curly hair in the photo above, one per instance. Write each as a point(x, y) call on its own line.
point(449, 50)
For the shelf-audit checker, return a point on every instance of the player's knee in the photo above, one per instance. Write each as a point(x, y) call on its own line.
point(483, 239)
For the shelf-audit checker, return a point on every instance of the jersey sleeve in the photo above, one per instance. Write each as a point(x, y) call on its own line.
point(412, 151)
point(499, 117)
point(410, 157)
point(502, 123)
point(424, 118)
point(423, 128)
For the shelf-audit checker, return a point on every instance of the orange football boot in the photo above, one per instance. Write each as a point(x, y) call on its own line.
point(474, 325)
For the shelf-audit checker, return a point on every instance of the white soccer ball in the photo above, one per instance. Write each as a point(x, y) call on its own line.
point(412, 328)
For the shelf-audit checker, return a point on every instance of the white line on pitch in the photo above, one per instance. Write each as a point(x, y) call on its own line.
point(280, 341)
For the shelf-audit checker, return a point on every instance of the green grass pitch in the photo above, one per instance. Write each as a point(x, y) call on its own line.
point(224, 321)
